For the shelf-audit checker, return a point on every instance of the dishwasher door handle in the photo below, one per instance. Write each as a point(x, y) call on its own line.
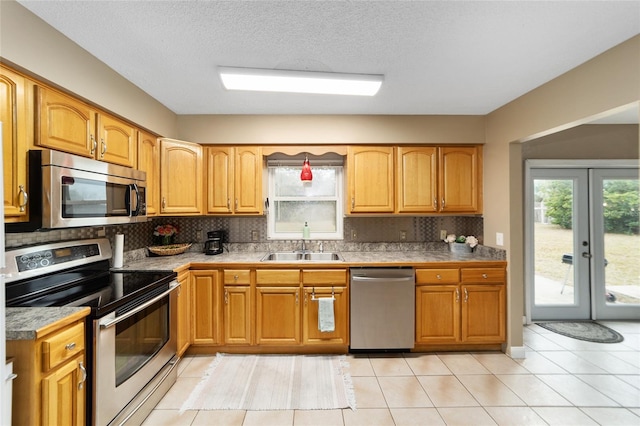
point(382, 279)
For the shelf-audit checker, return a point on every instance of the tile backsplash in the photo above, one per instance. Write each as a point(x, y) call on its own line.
point(239, 230)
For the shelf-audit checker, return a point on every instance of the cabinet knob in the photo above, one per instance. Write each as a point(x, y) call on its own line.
point(439, 276)
point(25, 197)
point(235, 277)
point(484, 276)
point(70, 346)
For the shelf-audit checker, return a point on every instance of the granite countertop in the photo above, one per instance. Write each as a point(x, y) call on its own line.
point(355, 259)
point(31, 323)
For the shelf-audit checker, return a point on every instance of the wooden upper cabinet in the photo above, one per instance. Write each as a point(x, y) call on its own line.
point(69, 125)
point(149, 162)
point(248, 180)
point(117, 141)
point(370, 177)
point(460, 179)
point(180, 177)
point(15, 110)
point(234, 180)
point(416, 179)
point(66, 124)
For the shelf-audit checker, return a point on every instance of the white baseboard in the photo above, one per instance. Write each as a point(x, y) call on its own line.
point(516, 352)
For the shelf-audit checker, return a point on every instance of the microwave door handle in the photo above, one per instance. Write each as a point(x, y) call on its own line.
point(134, 188)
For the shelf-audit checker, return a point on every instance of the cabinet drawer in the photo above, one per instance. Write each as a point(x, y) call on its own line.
point(324, 276)
point(483, 275)
point(437, 276)
point(278, 276)
point(237, 276)
point(61, 346)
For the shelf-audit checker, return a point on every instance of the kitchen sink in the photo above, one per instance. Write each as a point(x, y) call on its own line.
point(293, 256)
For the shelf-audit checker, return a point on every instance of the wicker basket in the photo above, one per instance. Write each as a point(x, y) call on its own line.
point(169, 250)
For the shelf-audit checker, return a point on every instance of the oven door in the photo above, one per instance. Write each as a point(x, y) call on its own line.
point(131, 348)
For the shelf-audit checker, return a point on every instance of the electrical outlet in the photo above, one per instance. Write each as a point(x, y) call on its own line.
point(403, 235)
point(199, 236)
point(354, 234)
point(443, 234)
point(102, 232)
point(499, 239)
point(254, 235)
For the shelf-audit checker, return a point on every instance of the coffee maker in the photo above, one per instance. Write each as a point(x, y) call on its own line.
point(214, 242)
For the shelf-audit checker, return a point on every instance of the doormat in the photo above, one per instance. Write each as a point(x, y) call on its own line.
point(584, 330)
point(274, 382)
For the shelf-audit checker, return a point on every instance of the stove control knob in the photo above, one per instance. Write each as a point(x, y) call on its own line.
point(32, 265)
point(44, 262)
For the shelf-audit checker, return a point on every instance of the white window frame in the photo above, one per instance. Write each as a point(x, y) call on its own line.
point(337, 235)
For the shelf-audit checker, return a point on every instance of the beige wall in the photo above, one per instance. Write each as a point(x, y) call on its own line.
point(325, 129)
point(606, 82)
point(32, 44)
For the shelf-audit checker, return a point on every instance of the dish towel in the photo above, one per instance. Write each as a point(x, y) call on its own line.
point(326, 319)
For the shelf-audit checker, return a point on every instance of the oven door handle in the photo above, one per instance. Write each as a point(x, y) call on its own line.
point(111, 323)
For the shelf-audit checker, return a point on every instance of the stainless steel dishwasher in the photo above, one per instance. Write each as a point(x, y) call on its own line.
point(382, 303)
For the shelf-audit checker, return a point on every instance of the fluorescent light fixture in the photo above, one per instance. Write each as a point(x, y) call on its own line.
point(300, 81)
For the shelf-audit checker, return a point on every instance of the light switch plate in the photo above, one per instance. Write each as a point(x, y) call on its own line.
point(443, 234)
point(254, 235)
point(403, 235)
point(499, 239)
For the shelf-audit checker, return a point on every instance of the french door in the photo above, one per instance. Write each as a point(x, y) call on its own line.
point(582, 243)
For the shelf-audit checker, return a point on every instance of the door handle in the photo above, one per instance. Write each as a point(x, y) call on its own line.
point(587, 255)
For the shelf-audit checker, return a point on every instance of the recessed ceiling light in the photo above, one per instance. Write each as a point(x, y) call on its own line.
point(300, 81)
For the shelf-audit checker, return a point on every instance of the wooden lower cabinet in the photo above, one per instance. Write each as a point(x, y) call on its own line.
point(278, 315)
point(311, 335)
point(471, 310)
point(184, 313)
point(237, 315)
point(206, 310)
point(50, 388)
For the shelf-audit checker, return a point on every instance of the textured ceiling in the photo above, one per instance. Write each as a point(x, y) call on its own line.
point(438, 57)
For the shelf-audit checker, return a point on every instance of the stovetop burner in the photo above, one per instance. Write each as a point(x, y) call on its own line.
point(90, 283)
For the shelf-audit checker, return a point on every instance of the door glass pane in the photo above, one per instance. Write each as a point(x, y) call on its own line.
point(621, 215)
point(553, 242)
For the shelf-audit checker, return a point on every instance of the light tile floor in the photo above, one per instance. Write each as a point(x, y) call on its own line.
point(561, 381)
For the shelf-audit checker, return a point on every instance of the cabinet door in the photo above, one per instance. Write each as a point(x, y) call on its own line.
point(237, 315)
point(15, 132)
point(205, 308)
point(248, 180)
point(63, 395)
point(278, 315)
point(184, 313)
point(483, 313)
point(66, 124)
point(437, 314)
point(117, 141)
point(311, 335)
point(460, 179)
point(149, 162)
point(220, 172)
point(416, 179)
point(370, 174)
point(180, 177)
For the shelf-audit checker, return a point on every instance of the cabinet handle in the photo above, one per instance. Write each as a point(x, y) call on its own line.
point(164, 202)
point(466, 295)
point(236, 204)
point(70, 346)
point(84, 375)
point(306, 297)
point(104, 147)
point(297, 297)
point(484, 276)
point(457, 295)
point(226, 296)
point(353, 203)
point(94, 145)
point(443, 202)
point(228, 204)
point(435, 204)
point(25, 197)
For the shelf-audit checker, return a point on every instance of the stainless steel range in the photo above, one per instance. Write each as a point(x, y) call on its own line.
point(131, 331)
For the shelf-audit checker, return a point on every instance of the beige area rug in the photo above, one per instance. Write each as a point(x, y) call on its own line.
point(274, 382)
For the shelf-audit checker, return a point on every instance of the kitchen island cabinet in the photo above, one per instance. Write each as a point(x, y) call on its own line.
point(51, 383)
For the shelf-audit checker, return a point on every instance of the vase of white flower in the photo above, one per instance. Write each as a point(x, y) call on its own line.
point(461, 244)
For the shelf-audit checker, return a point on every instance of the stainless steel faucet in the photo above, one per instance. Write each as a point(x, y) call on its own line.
point(304, 246)
point(321, 247)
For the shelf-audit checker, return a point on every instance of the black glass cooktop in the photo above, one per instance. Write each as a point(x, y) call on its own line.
point(92, 285)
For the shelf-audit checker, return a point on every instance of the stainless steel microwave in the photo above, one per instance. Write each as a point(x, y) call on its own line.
point(70, 191)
